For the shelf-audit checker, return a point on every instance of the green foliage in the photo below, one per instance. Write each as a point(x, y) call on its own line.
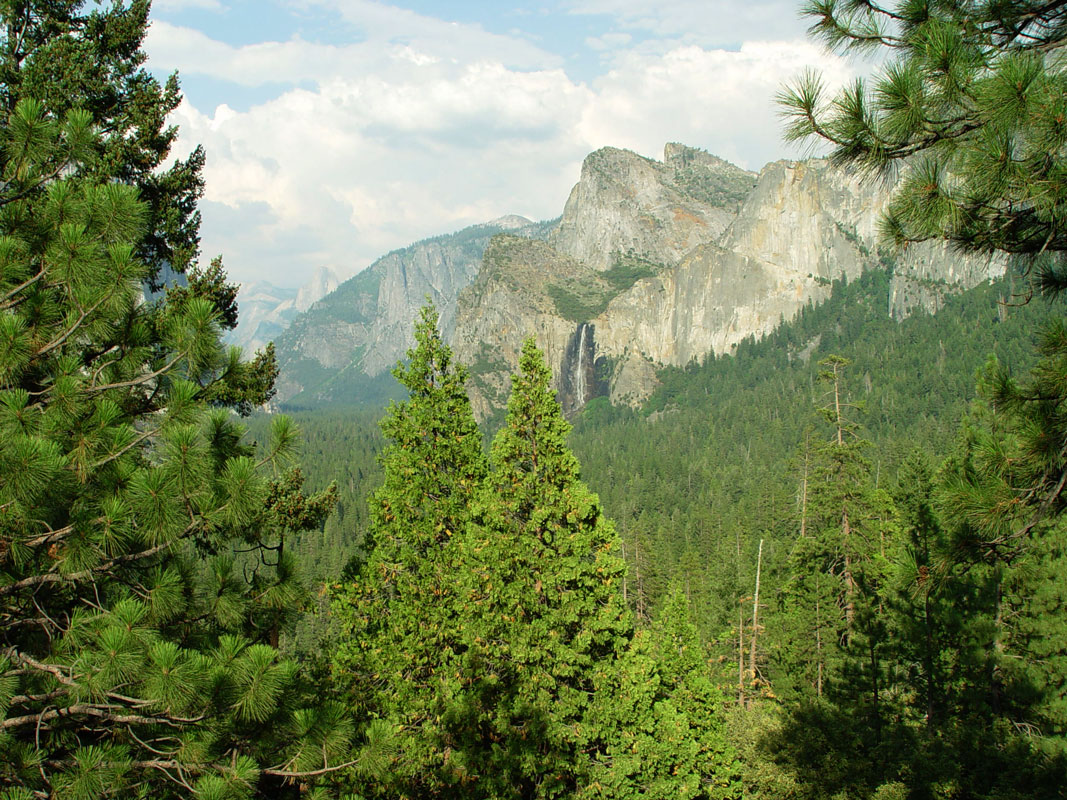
point(545, 595)
point(577, 303)
point(627, 270)
point(581, 301)
point(133, 655)
point(401, 618)
point(68, 57)
point(972, 97)
point(657, 711)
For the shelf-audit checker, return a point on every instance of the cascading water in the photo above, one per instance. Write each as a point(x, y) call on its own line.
point(578, 369)
point(580, 383)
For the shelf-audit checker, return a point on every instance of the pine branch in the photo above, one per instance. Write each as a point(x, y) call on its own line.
point(141, 380)
point(61, 340)
point(284, 773)
point(55, 577)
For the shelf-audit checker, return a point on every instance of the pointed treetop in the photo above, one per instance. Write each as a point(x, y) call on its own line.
point(533, 440)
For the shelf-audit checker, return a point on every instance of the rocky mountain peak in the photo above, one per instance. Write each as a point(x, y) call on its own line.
point(628, 205)
point(509, 222)
point(323, 281)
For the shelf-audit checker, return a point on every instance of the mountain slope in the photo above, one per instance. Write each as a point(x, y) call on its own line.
point(341, 348)
point(699, 266)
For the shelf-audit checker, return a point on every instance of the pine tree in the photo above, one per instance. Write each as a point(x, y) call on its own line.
point(69, 56)
point(831, 622)
point(1002, 506)
point(973, 97)
point(127, 668)
point(402, 619)
point(546, 598)
point(923, 619)
point(686, 675)
point(656, 717)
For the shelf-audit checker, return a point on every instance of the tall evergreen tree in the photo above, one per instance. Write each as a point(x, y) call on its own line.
point(546, 598)
point(124, 670)
point(658, 717)
point(74, 55)
point(837, 568)
point(402, 618)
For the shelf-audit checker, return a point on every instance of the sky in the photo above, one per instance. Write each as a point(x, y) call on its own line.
point(338, 130)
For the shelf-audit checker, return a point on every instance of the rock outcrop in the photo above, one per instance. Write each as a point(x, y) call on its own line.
point(359, 331)
point(267, 310)
point(647, 270)
point(626, 204)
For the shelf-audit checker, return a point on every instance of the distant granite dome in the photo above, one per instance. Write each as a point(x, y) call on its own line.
point(266, 310)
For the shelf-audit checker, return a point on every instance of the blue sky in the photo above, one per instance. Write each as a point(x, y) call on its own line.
point(337, 130)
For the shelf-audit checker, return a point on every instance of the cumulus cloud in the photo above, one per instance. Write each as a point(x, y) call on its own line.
point(722, 100)
point(423, 126)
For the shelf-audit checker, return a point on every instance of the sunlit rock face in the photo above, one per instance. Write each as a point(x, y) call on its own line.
point(659, 211)
point(648, 269)
point(653, 263)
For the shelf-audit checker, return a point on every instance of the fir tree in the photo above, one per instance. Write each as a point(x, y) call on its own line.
point(69, 56)
point(546, 599)
point(658, 717)
point(402, 618)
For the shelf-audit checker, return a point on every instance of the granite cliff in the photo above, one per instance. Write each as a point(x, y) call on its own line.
point(653, 263)
point(342, 347)
point(646, 270)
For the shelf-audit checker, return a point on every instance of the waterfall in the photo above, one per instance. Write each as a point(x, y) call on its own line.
point(580, 383)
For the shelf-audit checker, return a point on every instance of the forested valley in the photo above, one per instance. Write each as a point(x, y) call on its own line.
point(830, 564)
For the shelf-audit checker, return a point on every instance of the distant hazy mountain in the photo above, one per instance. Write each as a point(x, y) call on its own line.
point(265, 310)
point(341, 349)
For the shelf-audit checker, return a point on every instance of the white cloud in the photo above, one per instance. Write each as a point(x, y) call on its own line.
point(389, 39)
point(722, 100)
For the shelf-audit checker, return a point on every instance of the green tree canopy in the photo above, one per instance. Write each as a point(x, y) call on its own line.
point(547, 598)
point(87, 56)
point(134, 654)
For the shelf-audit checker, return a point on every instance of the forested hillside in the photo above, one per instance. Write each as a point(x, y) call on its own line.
point(828, 565)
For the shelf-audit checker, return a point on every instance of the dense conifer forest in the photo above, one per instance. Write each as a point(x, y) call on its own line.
point(829, 565)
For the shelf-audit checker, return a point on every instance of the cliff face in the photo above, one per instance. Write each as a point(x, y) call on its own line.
point(359, 331)
point(653, 263)
point(646, 269)
point(625, 204)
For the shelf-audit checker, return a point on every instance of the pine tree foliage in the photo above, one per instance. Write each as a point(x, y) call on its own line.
point(831, 602)
point(401, 624)
point(973, 96)
point(658, 717)
point(126, 668)
point(71, 55)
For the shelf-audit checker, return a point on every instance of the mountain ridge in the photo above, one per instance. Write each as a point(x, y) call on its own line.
point(652, 264)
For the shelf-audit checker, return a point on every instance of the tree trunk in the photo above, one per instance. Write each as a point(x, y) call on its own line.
point(741, 653)
point(755, 620)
